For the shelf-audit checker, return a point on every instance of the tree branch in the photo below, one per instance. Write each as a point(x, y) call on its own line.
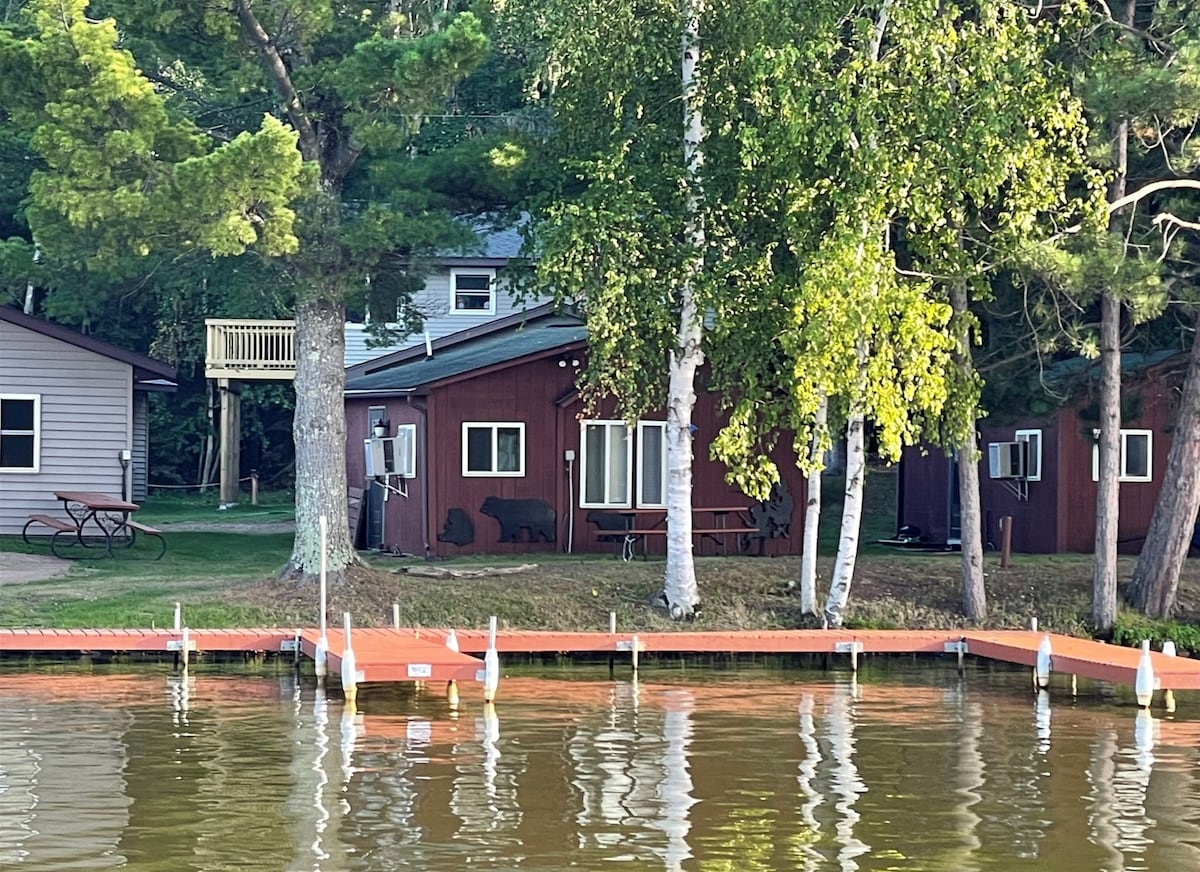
point(310, 147)
point(1146, 190)
point(1168, 218)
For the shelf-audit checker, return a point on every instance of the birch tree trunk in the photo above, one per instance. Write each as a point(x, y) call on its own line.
point(679, 588)
point(843, 569)
point(1108, 490)
point(971, 523)
point(1156, 575)
point(812, 515)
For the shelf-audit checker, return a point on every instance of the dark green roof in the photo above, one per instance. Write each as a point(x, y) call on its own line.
point(524, 340)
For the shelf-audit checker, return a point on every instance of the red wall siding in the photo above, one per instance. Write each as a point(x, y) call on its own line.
point(403, 522)
point(924, 491)
point(524, 393)
point(527, 393)
point(1078, 505)
point(1059, 513)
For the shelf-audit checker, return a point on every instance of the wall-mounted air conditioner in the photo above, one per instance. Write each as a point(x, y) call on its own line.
point(1006, 459)
point(396, 455)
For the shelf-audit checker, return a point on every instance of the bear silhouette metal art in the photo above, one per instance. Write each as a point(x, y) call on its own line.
point(536, 516)
point(459, 529)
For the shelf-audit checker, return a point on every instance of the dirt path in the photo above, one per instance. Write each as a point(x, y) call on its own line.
point(20, 568)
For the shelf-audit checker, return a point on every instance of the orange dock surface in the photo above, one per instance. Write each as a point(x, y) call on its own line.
point(389, 655)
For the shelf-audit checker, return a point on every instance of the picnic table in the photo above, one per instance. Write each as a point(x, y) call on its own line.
point(94, 521)
point(708, 522)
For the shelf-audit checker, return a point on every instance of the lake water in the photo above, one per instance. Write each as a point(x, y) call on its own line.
point(910, 768)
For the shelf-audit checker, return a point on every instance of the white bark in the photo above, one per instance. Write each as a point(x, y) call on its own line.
point(812, 515)
point(679, 586)
point(971, 510)
point(843, 568)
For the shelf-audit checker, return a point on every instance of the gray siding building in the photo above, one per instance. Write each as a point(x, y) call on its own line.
point(70, 405)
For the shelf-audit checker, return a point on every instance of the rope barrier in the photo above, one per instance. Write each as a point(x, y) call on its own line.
point(198, 486)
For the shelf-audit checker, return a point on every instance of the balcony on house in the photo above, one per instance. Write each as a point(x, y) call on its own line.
point(243, 348)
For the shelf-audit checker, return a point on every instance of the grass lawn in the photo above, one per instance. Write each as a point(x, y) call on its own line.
point(226, 579)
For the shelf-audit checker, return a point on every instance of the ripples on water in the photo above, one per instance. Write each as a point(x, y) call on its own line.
point(743, 770)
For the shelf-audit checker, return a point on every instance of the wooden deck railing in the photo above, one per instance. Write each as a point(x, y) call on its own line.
point(247, 349)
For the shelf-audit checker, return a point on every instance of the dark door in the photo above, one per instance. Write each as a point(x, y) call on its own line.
point(375, 491)
point(953, 504)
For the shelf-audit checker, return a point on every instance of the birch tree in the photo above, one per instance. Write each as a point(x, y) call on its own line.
point(969, 155)
point(627, 232)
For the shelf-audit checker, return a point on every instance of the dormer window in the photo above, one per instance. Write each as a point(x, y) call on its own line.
point(472, 291)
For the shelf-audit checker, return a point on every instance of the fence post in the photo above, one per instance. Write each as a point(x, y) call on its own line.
point(254, 487)
point(1005, 541)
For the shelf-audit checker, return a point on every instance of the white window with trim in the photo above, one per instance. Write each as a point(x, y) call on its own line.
point(472, 291)
point(495, 449)
point(20, 432)
point(652, 464)
point(605, 465)
point(1137, 455)
point(1033, 453)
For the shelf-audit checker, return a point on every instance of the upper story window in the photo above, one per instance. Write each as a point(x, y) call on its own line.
point(1136, 455)
point(472, 291)
point(1033, 453)
point(20, 432)
point(493, 449)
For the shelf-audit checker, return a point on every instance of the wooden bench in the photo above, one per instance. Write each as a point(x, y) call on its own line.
point(56, 524)
point(134, 527)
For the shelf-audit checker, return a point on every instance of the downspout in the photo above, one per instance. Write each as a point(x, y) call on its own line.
point(423, 458)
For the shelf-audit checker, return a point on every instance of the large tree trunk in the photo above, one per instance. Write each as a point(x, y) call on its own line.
point(320, 434)
point(973, 589)
point(1156, 576)
point(843, 568)
point(679, 586)
point(1108, 490)
point(812, 515)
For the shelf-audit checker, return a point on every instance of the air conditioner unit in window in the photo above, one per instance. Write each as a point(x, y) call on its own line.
point(394, 456)
point(1006, 459)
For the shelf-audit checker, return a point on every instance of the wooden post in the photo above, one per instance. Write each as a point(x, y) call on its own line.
point(231, 440)
point(1005, 541)
point(254, 487)
point(612, 631)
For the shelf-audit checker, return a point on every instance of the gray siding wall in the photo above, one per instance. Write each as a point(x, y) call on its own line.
point(86, 419)
point(434, 303)
point(141, 445)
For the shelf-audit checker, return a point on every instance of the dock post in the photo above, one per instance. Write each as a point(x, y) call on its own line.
point(960, 649)
point(178, 617)
point(1033, 623)
point(1143, 682)
point(491, 664)
point(183, 653)
point(395, 616)
point(612, 631)
point(296, 652)
point(319, 656)
point(1041, 671)
point(452, 685)
point(633, 652)
point(349, 668)
point(1074, 685)
point(1168, 648)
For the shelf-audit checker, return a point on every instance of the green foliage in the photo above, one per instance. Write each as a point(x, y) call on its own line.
point(1131, 628)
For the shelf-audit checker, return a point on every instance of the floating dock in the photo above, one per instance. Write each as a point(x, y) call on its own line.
point(383, 655)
